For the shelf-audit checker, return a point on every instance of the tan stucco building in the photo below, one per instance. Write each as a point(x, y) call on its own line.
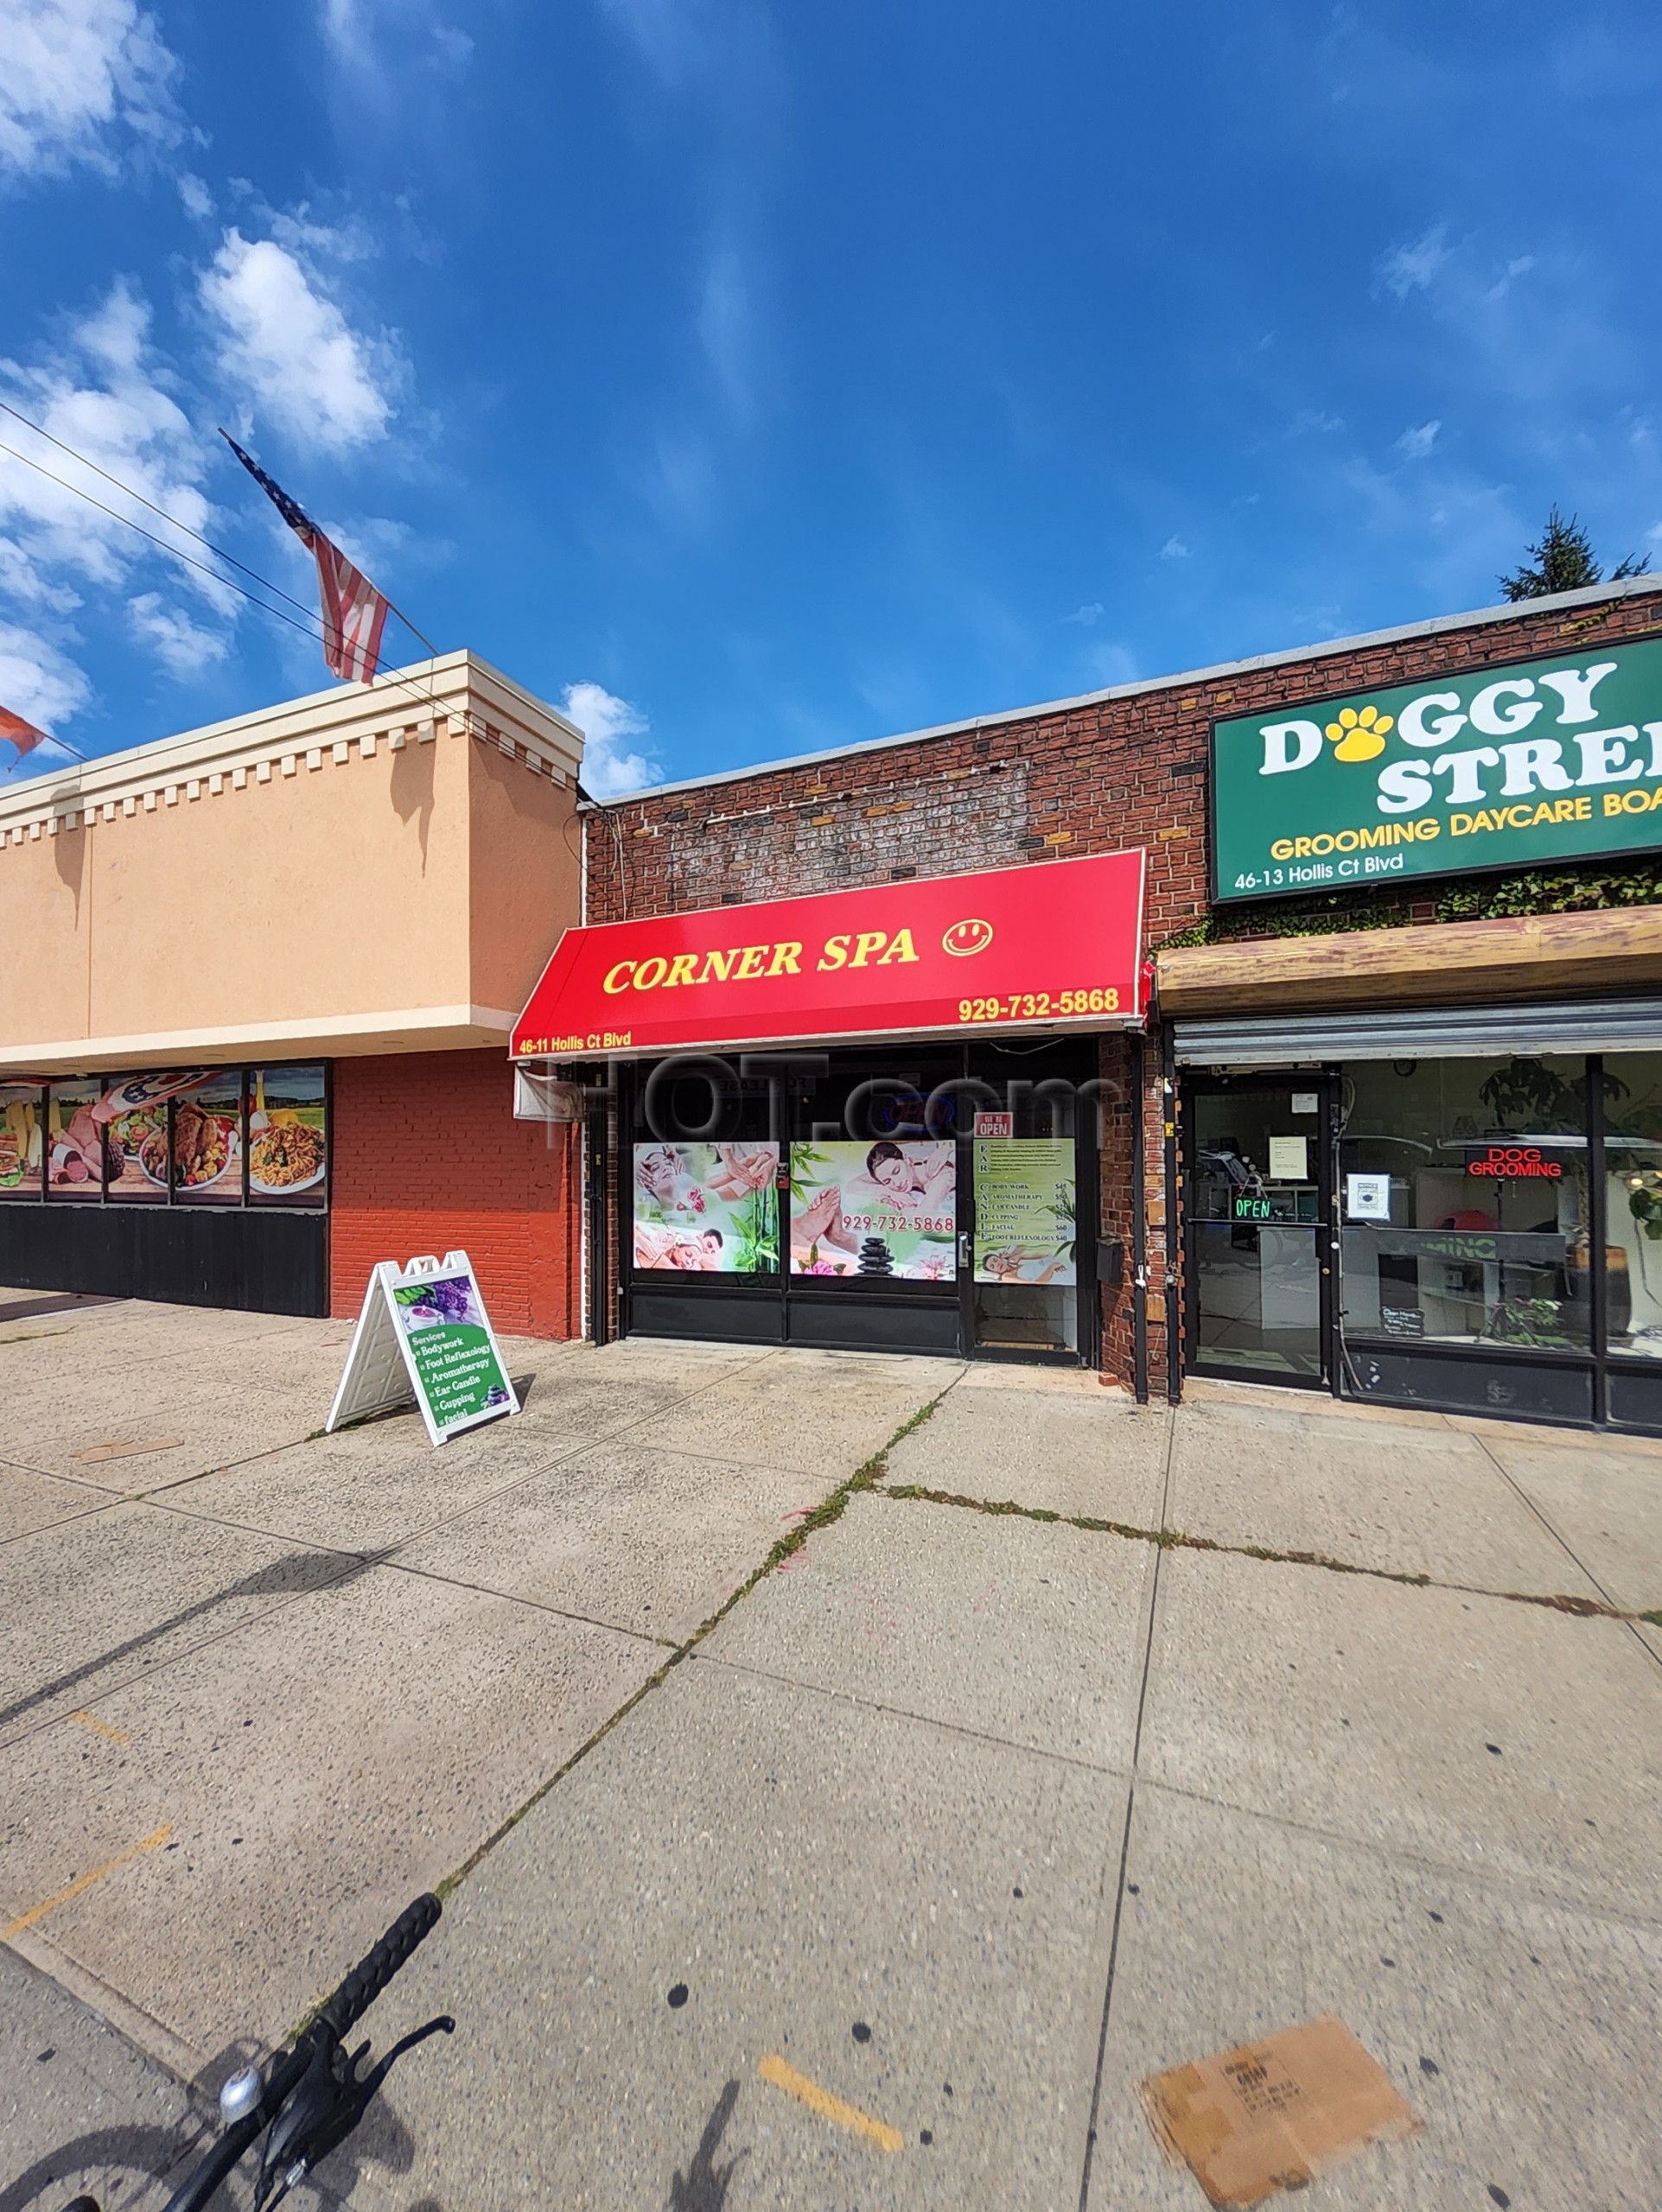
point(325, 915)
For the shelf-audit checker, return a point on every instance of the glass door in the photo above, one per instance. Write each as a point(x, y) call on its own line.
point(1259, 1231)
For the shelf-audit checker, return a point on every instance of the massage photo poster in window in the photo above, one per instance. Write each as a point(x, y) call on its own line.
point(888, 1209)
point(706, 1209)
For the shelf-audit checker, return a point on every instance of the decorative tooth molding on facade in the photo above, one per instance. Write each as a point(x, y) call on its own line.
point(346, 723)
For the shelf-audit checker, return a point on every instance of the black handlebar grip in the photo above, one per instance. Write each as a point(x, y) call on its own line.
point(373, 1972)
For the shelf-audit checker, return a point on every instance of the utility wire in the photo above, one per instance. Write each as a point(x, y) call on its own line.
point(41, 431)
point(177, 552)
point(310, 627)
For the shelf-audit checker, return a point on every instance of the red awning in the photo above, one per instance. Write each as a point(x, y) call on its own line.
point(1056, 945)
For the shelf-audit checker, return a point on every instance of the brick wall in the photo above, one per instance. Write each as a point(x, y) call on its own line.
point(427, 1157)
point(1092, 779)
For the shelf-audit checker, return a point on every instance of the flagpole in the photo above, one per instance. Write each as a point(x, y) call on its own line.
point(282, 504)
point(393, 609)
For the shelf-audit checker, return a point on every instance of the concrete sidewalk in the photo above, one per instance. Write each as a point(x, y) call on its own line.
point(969, 1815)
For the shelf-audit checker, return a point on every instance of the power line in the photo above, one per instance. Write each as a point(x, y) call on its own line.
point(177, 552)
point(311, 627)
point(41, 431)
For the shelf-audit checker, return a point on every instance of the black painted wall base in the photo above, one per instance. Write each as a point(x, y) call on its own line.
point(1468, 1382)
point(257, 1263)
point(830, 1320)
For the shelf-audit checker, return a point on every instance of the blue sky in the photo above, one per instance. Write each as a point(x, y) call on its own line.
point(757, 377)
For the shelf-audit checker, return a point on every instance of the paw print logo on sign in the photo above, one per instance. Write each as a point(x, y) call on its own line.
point(1360, 737)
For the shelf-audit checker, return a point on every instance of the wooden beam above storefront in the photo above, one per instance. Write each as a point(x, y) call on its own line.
point(1524, 956)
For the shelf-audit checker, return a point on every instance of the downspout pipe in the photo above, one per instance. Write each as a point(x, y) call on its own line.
point(1139, 1227)
point(1174, 1244)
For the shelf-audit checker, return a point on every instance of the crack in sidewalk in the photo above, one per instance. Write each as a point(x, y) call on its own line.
point(1168, 1539)
point(865, 1478)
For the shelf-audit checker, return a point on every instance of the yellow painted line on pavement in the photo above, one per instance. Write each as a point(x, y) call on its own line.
point(775, 2070)
point(92, 1720)
point(84, 1882)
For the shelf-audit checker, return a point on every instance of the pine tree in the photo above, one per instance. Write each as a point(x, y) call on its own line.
point(1564, 560)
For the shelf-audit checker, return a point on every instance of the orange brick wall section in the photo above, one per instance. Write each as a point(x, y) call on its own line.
point(429, 1158)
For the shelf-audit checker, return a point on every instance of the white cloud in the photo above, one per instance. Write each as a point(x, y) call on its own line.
point(108, 397)
point(198, 200)
point(1518, 266)
point(38, 680)
point(1085, 615)
point(1317, 419)
point(727, 328)
point(1418, 440)
point(679, 479)
point(81, 81)
point(1413, 266)
point(183, 647)
point(670, 36)
point(1111, 663)
point(288, 344)
point(367, 36)
point(1174, 550)
point(25, 583)
point(606, 720)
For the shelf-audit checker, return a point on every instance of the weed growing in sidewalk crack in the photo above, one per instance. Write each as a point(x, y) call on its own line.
point(1181, 1539)
point(866, 1477)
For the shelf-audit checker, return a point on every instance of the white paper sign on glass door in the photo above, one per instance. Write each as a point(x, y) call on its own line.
point(707, 1209)
point(874, 1210)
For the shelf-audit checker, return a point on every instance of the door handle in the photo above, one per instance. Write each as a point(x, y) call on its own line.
point(963, 1249)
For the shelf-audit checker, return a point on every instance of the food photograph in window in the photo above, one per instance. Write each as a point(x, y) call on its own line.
point(207, 1142)
point(133, 1112)
point(74, 1142)
point(288, 1137)
point(22, 1141)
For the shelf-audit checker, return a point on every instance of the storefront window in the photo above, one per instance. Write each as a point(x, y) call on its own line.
point(170, 1135)
point(207, 1142)
point(706, 1209)
point(1464, 1193)
point(288, 1137)
point(134, 1112)
point(883, 1210)
point(1632, 1203)
point(22, 1140)
point(74, 1146)
point(1026, 1250)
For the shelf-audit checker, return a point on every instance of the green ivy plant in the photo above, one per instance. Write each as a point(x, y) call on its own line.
point(1588, 888)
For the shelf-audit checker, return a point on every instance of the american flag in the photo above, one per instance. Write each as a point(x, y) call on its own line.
point(354, 613)
point(23, 735)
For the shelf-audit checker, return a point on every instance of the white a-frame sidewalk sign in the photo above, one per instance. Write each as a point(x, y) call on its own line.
point(423, 1335)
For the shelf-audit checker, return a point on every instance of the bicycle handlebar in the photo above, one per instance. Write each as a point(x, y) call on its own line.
point(377, 1968)
point(331, 2022)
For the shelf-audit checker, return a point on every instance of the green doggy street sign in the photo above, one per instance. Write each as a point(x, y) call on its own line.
point(1540, 760)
